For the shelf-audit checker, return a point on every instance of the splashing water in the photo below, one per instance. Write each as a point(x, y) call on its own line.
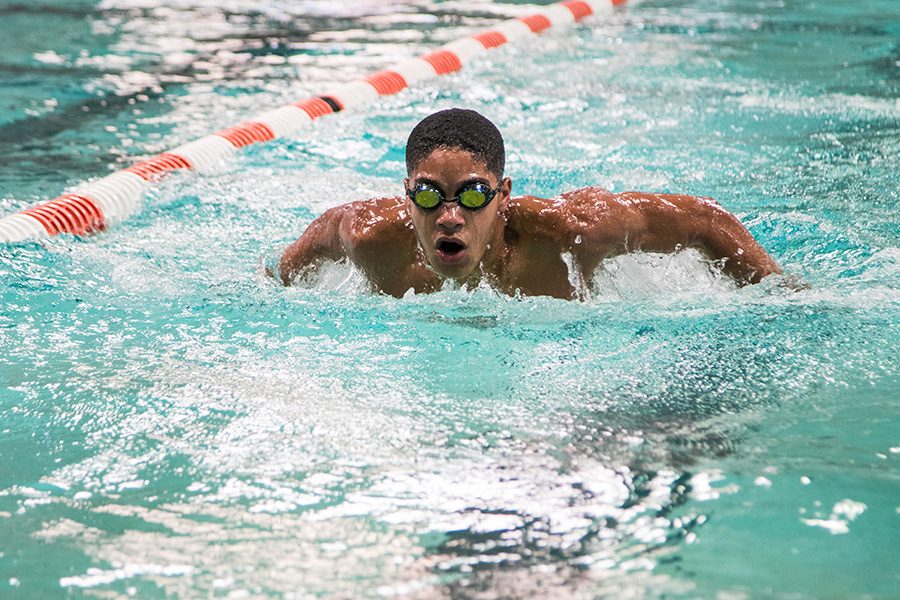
point(176, 424)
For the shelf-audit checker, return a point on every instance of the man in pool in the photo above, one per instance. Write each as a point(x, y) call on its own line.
point(458, 221)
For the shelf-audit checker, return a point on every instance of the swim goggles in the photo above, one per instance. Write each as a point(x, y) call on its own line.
point(472, 196)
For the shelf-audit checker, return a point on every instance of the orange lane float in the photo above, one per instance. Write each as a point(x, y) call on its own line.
point(94, 206)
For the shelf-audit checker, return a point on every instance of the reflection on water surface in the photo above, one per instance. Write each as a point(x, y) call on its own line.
point(176, 425)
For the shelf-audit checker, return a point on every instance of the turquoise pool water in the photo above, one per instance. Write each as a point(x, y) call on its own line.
point(176, 425)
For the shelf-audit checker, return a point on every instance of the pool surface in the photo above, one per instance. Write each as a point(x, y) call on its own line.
point(175, 424)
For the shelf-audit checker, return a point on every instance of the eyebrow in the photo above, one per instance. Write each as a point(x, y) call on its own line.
point(469, 181)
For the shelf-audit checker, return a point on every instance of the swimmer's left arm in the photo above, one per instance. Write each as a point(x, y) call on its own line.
point(638, 221)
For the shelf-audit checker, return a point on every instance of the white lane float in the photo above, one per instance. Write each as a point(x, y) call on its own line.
point(94, 206)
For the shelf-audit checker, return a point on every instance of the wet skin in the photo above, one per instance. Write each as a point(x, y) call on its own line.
point(514, 244)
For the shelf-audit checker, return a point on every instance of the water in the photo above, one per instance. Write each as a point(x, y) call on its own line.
point(174, 424)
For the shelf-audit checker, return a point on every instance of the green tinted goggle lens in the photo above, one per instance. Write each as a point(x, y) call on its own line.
point(427, 198)
point(473, 197)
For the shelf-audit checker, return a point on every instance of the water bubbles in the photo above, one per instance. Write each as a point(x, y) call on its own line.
point(575, 276)
point(242, 436)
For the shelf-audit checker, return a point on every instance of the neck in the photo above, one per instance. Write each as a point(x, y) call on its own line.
point(492, 263)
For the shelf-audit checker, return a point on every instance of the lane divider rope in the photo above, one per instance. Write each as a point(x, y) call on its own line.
point(94, 206)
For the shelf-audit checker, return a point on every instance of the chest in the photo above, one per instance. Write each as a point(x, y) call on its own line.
point(535, 270)
point(531, 269)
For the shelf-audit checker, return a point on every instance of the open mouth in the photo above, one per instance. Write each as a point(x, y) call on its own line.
point(450, 250)
point(450, 247)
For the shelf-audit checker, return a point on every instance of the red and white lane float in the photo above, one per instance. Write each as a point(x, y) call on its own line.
point(96, 205)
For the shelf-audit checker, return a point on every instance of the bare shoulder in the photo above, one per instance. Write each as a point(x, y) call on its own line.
point(564, 216)
point(533, 216)
point(591, 208)
point(375, 221)
point(586, 206)
point(379, 238)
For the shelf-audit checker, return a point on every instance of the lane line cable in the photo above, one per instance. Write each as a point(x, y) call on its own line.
point(94, 206)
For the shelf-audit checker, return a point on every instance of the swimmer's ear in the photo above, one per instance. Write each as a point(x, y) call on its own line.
point(505, 192)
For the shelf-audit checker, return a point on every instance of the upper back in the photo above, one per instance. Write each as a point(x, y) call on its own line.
point(559, 220)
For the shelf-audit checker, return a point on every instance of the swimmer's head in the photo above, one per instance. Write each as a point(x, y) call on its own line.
point(457, 128)
point(456, 194)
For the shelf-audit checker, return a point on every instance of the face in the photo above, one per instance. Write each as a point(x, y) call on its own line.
point(453, 238)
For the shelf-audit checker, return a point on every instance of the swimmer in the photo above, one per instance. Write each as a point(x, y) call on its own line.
point(458, 221)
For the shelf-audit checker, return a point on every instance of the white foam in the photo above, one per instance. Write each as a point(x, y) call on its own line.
point(823, 103)
point(95, 577)
point(639, 274)
point(339, 277)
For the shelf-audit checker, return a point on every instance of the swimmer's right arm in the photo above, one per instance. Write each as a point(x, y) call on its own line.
point(322, 241)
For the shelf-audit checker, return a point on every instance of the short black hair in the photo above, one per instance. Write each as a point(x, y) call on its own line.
point(457, 128)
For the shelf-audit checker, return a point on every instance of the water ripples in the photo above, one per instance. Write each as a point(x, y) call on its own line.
point(176, 424)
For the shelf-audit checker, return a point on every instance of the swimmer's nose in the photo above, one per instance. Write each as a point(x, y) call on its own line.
point(450, 218)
